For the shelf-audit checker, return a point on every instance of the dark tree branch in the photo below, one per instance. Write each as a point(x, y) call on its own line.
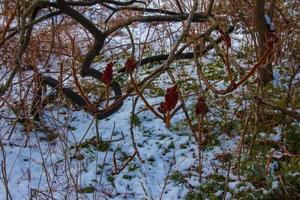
point(291, 113)
point(198, 17)
point(119, 3)
point(178, 56)
point(66, 9)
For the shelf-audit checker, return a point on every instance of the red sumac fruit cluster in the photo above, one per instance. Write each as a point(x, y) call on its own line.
point(201, 107)
point(107, 74)
point(130, 65)
point(171, 99)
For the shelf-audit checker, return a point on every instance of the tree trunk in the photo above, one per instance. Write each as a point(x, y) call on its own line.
point(265, 73)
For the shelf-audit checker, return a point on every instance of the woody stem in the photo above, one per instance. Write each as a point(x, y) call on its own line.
point(143, 98)
point(106, 96)
point(200, 136)
point(168, 118)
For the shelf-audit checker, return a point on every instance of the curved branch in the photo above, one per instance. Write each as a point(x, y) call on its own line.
point(66, 9)
point(79, 101)
point(119, 3)
point(291, 113)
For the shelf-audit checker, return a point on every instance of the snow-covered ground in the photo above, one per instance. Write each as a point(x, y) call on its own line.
point(41, 165)
point(49, 161)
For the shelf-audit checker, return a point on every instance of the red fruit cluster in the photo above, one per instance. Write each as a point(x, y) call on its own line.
point(107, 74)
point(226, 38)
point(171, 99)
point(130, 65)
point(201, 107)
point(271, 39)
